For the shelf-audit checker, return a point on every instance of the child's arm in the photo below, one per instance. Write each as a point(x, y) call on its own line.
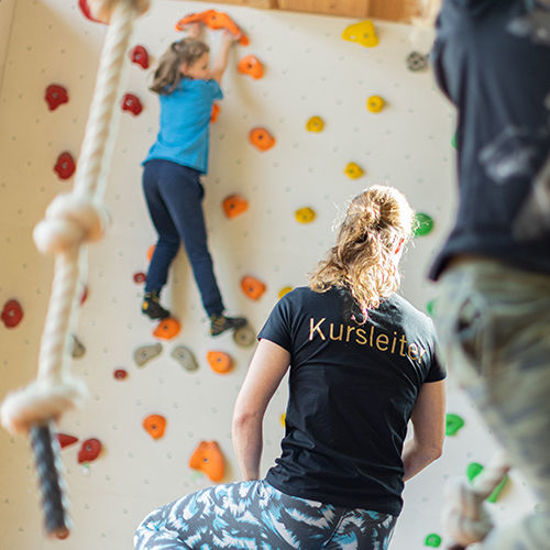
point(220, 63)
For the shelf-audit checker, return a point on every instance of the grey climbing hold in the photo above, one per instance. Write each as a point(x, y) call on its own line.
point(144, 354)
point(244, 337)
point(77, 347)
point(417, 61)
point(184, 356)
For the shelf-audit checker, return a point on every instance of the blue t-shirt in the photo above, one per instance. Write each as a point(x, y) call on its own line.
point(184, 132)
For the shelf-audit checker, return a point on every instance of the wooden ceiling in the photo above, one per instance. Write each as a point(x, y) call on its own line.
point(391, 10)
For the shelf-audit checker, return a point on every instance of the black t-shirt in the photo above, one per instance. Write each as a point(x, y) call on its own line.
point(492, 60)
point(352, 388)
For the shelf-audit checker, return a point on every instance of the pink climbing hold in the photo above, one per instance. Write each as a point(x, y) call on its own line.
point(12, 313)
point(55, 96)
point(65, 166)
point(89, 451)
point(131, 103)
point(140, 56)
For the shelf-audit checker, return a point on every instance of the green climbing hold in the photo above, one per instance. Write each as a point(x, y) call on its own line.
point(493, 497)
point(453, 423)
point(453, 141)
point(474, 469)
point(424, 224)
point(433, 540)
point(430, 306)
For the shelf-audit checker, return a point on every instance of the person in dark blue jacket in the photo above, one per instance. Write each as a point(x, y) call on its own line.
point(492, 60)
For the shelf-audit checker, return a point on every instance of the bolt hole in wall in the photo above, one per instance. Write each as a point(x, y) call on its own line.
point(316, 108)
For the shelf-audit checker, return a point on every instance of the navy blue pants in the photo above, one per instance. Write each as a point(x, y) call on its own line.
point(174, 196)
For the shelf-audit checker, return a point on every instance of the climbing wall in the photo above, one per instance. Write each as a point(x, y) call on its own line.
point(152, 400)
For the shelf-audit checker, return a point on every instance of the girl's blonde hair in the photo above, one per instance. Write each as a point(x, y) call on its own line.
point(364, 258)
point(168, 74)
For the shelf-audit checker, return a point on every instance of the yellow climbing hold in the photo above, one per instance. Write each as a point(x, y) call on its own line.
point(305, 215)
point(315, 124)
point(363, 33)
point(353, 170)
point(285, 290)
point(375, 103)
point(283, 419)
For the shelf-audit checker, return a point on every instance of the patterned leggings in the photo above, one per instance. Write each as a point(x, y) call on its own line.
point(254, 515)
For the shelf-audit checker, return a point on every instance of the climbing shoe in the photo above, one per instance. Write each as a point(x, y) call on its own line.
point(152, 308)
point(220, 323)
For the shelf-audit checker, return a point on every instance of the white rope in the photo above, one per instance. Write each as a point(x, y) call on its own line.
point(465, 517)
point(71, 221)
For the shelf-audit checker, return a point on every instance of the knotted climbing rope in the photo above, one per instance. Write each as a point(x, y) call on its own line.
point(72, 220)
point(465, 517)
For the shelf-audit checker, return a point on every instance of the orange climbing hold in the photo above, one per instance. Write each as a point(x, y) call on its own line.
point(215, 20)
point(261, 139)
point(220, 361)
point(251, 66)
point(150, 252)
point(167, 329)
point(208, 458)
point(234, 205)
point(154, 425)
point(252, 287)
point(215, 112)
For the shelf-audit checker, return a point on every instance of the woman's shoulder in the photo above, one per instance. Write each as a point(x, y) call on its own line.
point(408, 311)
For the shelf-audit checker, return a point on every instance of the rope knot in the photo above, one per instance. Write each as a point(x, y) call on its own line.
point(102, 10)
point(70, 220)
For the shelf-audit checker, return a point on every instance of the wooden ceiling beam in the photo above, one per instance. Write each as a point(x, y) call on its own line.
point(390, 10)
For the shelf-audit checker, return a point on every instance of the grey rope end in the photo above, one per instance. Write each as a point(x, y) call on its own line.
point(48, 465)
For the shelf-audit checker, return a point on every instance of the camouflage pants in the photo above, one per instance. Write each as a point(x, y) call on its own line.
point(493, 323)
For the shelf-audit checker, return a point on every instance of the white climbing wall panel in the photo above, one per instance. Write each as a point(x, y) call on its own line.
point(309, 71)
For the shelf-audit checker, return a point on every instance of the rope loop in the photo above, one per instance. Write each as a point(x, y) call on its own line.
point(70, 220)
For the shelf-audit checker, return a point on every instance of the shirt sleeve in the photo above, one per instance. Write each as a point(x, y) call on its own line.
point(277, 328)
point(214, 89)
point(437, 370)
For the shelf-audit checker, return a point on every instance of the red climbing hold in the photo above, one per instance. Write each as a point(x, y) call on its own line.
point(139, 277)
point(89, 451)
point(65, 165)
point(65, 440)
point(12, 314)
point(120, 374)
point(140, 56)
point(55, 96)
point(84, 295)
point(131, 103)
point(85, 9)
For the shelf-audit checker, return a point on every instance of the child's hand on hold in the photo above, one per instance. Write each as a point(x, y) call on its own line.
point(229, 38)
point(193, 29)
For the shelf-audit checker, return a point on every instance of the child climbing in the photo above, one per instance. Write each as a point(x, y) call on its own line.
point(187, 88)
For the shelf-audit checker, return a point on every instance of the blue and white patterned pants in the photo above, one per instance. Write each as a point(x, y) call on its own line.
point(254, 515)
